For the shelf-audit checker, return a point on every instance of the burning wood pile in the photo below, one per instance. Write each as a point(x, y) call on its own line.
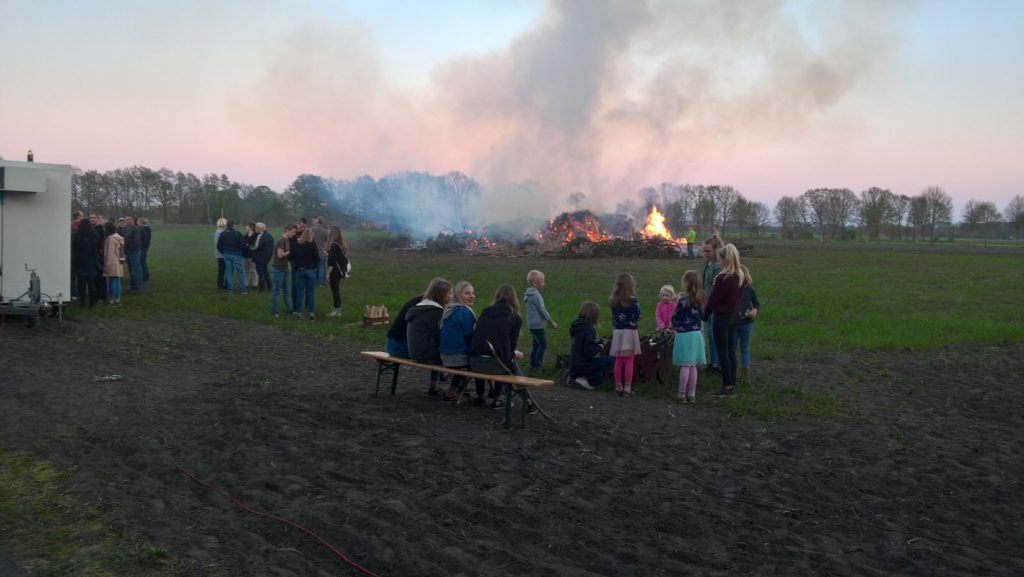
point(577, 234)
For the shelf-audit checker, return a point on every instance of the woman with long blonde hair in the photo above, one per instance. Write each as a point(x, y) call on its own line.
point(724, 308)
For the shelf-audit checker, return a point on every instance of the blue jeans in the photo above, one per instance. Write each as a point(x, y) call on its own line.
point(321, 270)
point(689, 251)
point(135, 268)
point(145, 266)
point(713, 353)
point(744, 332)
point(540, 344)
point(398, 349)
point(232, 263)
point(114, 288)
point(280, 287)
point(305, 283)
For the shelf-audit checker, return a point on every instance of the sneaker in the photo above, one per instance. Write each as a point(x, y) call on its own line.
point(297, 315)
point(334, 313)
point(626, 394)
point(275, 315)
point(531, 407)
point(691, 399)
point(584, 383)
point(312, 317)
point(727, 392)
point(498, 404)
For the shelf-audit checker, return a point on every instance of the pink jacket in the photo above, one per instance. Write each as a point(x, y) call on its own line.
point(663, 314)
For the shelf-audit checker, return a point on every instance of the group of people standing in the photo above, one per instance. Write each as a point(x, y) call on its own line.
point(307, 256)
point(100, 249)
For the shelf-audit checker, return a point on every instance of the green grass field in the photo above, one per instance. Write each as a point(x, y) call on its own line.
point(822, 299)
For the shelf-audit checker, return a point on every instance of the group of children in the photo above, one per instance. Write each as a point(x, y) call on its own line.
point(440, 327)
point(727, 308)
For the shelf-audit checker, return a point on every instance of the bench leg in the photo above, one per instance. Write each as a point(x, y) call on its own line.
point(508, 407)
point(384, 367)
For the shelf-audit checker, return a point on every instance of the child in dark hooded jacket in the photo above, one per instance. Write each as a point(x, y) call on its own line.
point(423, 333)
point(586, 363)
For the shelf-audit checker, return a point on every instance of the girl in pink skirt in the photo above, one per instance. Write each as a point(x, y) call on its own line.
point(625, 339)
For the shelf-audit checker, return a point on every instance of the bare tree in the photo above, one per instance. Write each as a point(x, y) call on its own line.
point(1014, 213)
point(790, 214)
point(726, 198)
point(760, 216)
point(938, 209)
point(900, 213)
point(979, 213)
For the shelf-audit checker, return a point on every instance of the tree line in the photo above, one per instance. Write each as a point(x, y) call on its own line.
point(409, 199)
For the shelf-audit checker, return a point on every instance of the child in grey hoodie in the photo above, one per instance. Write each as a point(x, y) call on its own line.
point(537, 317)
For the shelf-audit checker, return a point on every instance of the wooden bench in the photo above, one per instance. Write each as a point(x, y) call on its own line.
point(517, 384)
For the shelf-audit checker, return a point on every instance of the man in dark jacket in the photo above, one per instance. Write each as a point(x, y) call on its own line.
point(231, 244)
point(262, 253)
point(147, 237)
point(133, 251)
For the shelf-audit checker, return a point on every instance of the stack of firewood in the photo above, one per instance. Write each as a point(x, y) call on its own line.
point(375, 315)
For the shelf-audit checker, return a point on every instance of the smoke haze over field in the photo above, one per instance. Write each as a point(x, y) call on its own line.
point(533, 100)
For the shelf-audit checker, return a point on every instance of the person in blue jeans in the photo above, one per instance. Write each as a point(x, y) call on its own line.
point(280, 272)
point(305, 260)
point(537, 317)
point(749, 307)
point(231, 244)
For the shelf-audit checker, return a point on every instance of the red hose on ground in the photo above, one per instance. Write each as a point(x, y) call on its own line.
point(334, 550)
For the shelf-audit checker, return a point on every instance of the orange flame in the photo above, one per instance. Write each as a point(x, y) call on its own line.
point(655, 227)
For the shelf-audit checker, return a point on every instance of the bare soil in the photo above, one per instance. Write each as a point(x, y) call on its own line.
point(924, 477)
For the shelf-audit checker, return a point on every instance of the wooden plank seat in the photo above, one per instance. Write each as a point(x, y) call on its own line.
point(517, 384)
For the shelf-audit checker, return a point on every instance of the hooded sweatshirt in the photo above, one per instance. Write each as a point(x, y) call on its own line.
point(457, 329)
point(499, 325)
point(537, 316)
point(584, 345)
point(424, 332)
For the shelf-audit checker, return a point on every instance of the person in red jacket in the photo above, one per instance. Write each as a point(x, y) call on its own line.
point(724, 305)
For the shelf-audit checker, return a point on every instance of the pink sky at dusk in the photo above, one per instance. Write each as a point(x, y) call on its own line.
point(771, 97)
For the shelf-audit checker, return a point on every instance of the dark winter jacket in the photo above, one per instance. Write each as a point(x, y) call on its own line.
point(250, 243)
point(399, 326)
point(231, 242)
point(132, 238)
point(424, 332)
point(304, 255)
point(263, 251)
point(499, 325)
point(748, 300)
point(585, 347)
point(85, 252)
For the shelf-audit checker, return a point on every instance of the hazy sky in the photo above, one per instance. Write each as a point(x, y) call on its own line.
point(771, 96)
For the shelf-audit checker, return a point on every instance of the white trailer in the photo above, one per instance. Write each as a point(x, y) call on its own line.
point(35, 231)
